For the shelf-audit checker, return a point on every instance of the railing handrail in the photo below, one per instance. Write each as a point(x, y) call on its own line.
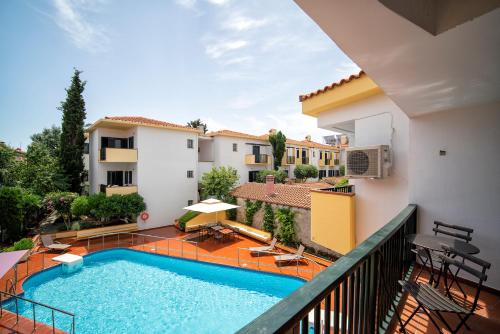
point(139, 234)
point(293, 308)
point(37, 303)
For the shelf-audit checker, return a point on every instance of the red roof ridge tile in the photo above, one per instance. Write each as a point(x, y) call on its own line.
point(332, 86)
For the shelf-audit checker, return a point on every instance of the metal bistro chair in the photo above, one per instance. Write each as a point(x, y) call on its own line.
point(434, 302)
point(445, 229)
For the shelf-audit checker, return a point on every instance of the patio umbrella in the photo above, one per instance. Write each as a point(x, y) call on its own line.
point(211, 205)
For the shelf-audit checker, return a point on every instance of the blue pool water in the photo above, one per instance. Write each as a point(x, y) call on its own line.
point(127, 291)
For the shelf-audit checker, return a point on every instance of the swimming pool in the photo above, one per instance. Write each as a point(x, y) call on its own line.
point(128, 291)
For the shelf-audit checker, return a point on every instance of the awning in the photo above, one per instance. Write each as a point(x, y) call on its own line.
point(211, 205)
point(9, 260)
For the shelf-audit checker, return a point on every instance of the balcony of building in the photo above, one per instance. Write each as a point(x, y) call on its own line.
point(288, 160)
point(361, 292)
point(110, 190)
point(257, 159)
point(109, 154)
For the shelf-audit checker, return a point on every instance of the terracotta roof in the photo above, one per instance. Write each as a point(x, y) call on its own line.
point(229, 133)
point(235, 134)
point(332, 86)
point(146, 121)
point(295, 195)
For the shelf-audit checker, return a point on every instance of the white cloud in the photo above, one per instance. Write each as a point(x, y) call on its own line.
point(241, 23)
point(219, 49)
point(218, 2)
point(188, 4)
point(238, 60)
point(84, 34)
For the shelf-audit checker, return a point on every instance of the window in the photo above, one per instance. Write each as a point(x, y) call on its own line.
point(322, 174)
point(130, 142)
point(190, 202)
point(320, 155)
point(314, 153)
point(86, 148)
point(330, 173)
point(115, 178)
point(235, 147)
point(252, 175)
point(128, 177)
point(298, 153)
point(190, 174)
point(190, 143)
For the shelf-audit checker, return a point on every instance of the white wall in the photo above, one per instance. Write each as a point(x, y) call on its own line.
point(377, 120)
point(462, 187)
point(163, 162)
point(224, 155)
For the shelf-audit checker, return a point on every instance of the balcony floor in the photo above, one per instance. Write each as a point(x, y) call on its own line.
point(485, 320)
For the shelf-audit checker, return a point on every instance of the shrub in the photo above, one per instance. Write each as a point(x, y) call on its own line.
point(76, 226)
point(280, 176)
point(342, 183)
point(25, 243)
point(251, 209)
point(286, 217)
point(80, 207)
point(11, 212)
point(117, 206)
point(31, 204)
point(342, 170)
point(187, 217)
point(268, 224)
point(303, 172)
point(232, 213)
point(61, 201)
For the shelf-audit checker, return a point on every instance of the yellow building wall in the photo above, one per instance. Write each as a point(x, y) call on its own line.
point(204, 218)
point(333, 221)
point(120, 155)
point(125, 190)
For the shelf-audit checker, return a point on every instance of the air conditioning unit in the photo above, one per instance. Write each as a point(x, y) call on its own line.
point(368, 161)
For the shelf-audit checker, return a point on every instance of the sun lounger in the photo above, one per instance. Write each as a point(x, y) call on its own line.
point(290, 257)
point(267, 248)
point(49, 243)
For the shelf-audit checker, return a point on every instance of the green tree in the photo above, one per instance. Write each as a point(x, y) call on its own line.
point(286, 218)
point(232, 213)
point(40, 172)
point(8, 176)
point(11, 213)
point(342, 170)
point(50, 138)
point(197, 123)
point(303, 172)
point(268, 224)
point(280, 176)
point(72, 137)
point(80, 207)
point(219, 182)
point(278, 143)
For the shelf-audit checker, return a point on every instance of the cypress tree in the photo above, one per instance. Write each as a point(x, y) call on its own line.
point(72, 137)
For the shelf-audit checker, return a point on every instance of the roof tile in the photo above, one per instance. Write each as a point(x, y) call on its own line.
point(332, 86)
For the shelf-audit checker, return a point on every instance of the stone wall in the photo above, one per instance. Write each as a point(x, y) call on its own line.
point(302, 224)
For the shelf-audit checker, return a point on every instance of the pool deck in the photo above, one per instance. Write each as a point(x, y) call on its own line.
point(231, 252)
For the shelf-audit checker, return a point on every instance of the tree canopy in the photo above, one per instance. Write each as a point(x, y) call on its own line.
point(303, 172)
point(197, 123)
point(50, 138)
point(72, 136)
point(219, 182)
point(278, 143)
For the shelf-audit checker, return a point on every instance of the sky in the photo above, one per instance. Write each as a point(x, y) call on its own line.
point(238, 65)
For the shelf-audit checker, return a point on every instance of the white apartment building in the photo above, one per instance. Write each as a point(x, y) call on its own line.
point(159, 160)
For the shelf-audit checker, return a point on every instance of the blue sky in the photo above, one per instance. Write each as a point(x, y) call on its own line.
point(239, 65)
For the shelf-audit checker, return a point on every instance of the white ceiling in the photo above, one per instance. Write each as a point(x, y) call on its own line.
point(420, 72)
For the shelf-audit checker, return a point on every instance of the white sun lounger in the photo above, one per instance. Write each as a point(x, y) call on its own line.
point(290, 257)
point(49, 243)
point(267, 248)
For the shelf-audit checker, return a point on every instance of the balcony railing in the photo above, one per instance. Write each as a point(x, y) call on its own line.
point(361, 289)
point(328, 162)
point(305, 160)
point(290, 160)
point(118, 155)
point(252, 159)
point(348, 189)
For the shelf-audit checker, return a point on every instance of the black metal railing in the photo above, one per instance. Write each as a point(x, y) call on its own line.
point(336, 162)
point(343, 189)
point(360, 289)
point(305, 160)
point(261, 158)
point(327, 162)
point(290, 160)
